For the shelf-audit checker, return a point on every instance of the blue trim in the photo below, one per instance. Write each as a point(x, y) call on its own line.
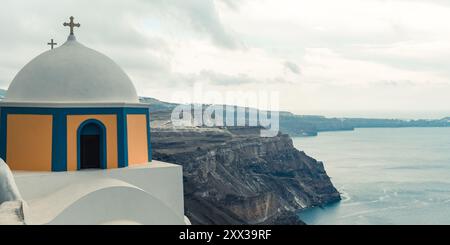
point(59, 131)
point(103, 146)
point(122, 136)
point(59, 142)
point(3, 127)
point(71, 111)
point(149, 144)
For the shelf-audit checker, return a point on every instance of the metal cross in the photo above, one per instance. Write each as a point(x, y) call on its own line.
point(52, 44)
point(71, 24)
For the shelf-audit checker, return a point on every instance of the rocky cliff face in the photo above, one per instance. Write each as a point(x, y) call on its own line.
point(233, 176)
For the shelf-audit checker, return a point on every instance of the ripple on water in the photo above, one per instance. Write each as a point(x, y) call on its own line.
point(385, 176)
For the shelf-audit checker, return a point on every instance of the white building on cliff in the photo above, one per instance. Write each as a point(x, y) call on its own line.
point(77, 138)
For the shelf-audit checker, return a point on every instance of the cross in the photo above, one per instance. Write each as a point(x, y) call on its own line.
point(71, 24)
point(52, 43)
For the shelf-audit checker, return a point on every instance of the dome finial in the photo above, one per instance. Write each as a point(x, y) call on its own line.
point(71, 24)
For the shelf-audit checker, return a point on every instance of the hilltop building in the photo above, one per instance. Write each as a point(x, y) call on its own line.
point(73, 108)
point(77, 140)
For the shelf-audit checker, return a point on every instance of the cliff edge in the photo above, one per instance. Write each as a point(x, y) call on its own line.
point(234, 176)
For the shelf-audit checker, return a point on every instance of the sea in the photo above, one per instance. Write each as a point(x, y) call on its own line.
point(386, 176)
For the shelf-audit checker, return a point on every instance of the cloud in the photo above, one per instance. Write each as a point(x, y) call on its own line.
point(428, 56)
point(224, 79)
point(202, 16)
point(292, 67)
point(140, 35)
point(345, 51)
point(393, 83)
point(232, 4)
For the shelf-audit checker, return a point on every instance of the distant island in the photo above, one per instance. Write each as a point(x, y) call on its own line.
point(311, 125)
point(298, 126)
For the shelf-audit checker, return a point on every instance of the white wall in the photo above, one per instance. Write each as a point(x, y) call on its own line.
point(151, 194)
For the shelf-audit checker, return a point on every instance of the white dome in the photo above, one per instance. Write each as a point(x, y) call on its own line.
point(72, 73)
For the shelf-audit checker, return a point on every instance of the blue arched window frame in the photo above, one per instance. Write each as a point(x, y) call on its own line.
point(103, 145)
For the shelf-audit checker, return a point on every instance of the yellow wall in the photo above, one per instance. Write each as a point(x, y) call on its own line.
point(74, 122)
point(29, 142)
point(137, 140)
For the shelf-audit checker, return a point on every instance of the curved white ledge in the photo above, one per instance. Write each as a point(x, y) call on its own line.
point(101, 201)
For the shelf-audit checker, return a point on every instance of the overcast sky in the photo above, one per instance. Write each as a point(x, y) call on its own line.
point(387, 58)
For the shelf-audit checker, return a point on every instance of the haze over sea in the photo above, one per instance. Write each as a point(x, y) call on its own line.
point(385, 175)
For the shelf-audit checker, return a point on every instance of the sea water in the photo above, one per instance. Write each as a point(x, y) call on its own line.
point(385, 175)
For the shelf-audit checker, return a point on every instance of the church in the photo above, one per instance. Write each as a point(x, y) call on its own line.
point(75, 146)
point(73, 108)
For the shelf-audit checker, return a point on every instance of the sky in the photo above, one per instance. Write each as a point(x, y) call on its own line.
point(372, 58)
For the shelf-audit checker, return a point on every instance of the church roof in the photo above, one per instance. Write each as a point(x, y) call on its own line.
point(71, 73)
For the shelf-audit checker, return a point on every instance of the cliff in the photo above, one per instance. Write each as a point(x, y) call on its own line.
point(233, 176)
